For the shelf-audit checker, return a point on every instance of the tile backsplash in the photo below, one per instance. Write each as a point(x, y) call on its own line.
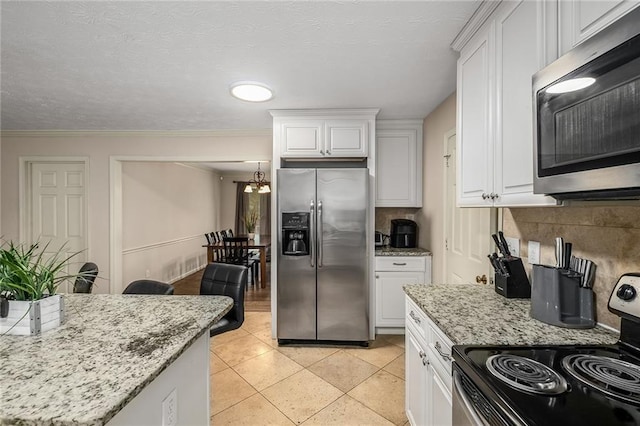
point(385, 214)
point(607, 235)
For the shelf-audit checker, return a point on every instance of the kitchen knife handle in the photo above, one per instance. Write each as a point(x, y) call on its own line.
point(320, 234)
point(312, 229)
point(505, 246)
point(497, 241)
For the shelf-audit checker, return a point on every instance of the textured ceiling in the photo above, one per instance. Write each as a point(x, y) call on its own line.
point(168, 65)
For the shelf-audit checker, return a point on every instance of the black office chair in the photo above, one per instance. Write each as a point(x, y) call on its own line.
point(148, 287)
point(236, 251)
point(223, 279)
point(86, 277)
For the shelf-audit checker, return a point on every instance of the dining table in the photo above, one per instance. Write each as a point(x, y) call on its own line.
point(260, 242)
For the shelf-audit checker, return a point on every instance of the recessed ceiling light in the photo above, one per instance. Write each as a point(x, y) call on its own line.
point(571, 85)
point(251, 91)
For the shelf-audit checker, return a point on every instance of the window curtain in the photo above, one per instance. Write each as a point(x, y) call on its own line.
point(265, 213)
point(242, 204)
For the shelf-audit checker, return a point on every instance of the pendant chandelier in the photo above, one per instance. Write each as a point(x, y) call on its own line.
point(259, 182)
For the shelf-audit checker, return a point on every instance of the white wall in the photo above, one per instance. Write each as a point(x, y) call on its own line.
point(166, 208)
point(431, 218)
point(100, 147)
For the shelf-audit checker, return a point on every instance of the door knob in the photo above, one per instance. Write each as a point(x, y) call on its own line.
point(481, 279)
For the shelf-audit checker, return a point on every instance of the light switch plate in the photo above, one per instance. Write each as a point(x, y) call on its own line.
point(514, 246)
point(534, 252)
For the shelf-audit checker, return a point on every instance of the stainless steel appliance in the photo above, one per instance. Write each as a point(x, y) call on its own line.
point(323, 292)
point(564, 384)
point(587, 125)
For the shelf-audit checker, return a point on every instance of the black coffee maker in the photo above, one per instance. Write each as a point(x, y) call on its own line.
point(404, 233)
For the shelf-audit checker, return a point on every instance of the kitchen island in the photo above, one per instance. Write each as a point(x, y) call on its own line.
point(472, 314)
point(118, 358)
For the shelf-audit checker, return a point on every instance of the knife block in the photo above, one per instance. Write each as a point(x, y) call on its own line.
point(558, 299)
point(516, 284)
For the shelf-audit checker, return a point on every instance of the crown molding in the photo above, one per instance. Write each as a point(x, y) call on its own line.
point(478, 18)
point(137, 133)
point(342, 112)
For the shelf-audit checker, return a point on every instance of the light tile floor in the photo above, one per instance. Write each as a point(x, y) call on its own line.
point(255, 382)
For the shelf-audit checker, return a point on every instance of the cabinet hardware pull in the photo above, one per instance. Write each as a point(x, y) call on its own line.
point(484, 196)
point(321, 152)
point(414, 317)
point(422, 354)
point(425, 361)
point(494, 196)
point(444, 356)
point(328, 152)
point(399, 263)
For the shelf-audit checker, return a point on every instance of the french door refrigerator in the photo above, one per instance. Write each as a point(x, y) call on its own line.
point(322, 286)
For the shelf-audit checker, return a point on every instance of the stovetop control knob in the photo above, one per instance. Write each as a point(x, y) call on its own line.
point(626, 292)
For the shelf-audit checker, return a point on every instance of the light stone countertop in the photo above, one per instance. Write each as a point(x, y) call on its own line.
point(472, 314)
point(108, 349)
point(392, 251)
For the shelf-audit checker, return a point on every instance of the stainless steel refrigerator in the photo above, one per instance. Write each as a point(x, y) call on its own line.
point(322, 284)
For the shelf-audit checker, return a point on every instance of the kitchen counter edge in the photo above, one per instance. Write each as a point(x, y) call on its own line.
point(471, 314)
point(393, 251)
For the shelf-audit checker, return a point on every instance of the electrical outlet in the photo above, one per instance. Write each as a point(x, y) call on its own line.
point(514, 246)
point(170, 409)
point(534, 252)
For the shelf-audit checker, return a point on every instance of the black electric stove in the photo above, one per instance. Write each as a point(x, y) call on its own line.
point(548, 385)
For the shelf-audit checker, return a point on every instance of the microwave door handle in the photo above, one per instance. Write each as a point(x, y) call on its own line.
point(466, 405)
point(406, 240)
point(320, 234)
point(312, 242)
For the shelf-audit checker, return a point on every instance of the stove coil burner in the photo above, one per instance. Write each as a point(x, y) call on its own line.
point(526, 374)
point(612, 376)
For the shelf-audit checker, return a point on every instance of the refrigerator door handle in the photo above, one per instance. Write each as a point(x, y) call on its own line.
point(312, 242)
point(319, 234)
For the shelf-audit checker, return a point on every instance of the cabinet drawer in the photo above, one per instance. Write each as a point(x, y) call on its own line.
point(400, 263)
point(440, 353)
point(416, 320)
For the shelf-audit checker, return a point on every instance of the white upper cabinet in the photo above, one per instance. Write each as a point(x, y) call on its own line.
point(324, 133)
point(580, 19)
point(346, 138)
point(399, 163)
point(495, 105)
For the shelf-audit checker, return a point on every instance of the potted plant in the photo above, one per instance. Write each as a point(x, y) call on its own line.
point(251, 219)
point(29, 279)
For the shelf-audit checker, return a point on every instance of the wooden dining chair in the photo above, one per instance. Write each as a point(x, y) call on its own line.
point(236, 251)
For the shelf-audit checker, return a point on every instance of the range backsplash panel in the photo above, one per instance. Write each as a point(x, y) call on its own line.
point(607, 235)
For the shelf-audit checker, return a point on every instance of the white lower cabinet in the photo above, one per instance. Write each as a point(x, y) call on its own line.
point(392, 273)
point(428, 371)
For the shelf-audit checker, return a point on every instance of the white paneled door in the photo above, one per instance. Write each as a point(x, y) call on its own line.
point(57, 209)
point(467, 231)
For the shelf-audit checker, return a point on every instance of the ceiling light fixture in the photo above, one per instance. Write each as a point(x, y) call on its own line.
point(259, 182)
point(571, 85)
point(251, 91)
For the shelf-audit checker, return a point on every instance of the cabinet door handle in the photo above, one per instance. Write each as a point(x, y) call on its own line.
point(444, 356)
point(321, 152)
point(328, 152)
point(493, 196)
point(414, 317)
point(484, 196)
point(400, 263)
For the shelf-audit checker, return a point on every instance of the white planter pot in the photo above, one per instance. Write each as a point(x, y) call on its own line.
point(33, 317)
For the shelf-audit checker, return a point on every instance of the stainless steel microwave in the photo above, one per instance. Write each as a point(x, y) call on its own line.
point(587, 118)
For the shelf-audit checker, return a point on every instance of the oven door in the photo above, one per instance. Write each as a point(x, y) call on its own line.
point(472, 407)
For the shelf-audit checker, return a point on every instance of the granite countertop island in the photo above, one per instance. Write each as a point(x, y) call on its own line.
point(472, 314)
point(109, 348)
point(392, 251)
